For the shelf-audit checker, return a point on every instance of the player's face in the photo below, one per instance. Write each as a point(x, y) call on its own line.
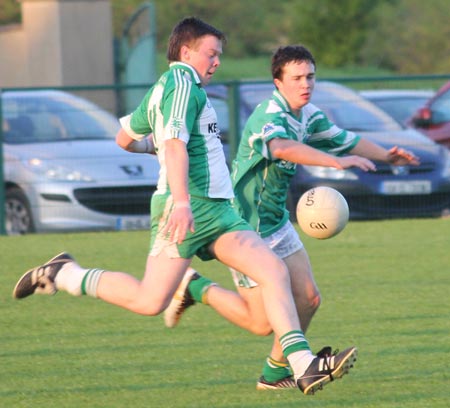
point(203, 56)
point(297, 84)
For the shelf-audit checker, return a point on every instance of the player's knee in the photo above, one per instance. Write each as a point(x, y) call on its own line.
point(259, 325)
point(261, 329)
point(314, 302)
point(310, 300)
point(148, 307)
point(265, 331)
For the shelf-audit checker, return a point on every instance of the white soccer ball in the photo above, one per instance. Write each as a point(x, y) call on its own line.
point(322, 212)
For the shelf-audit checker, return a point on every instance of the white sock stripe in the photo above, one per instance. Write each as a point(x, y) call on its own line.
point(88, 281)
point(92, 281)
point(289, 343)
point(294, 336)
point(292, 339)
point(95, 279)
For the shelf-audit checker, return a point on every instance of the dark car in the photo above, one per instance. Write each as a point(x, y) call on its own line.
point(401, 104)
point(433, 118)
point(391, 191)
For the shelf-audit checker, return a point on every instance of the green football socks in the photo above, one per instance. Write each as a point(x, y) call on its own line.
point(275, 370)
point(198, 288)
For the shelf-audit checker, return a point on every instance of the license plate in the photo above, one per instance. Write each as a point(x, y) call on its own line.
point(132, 223)
point(406, 187)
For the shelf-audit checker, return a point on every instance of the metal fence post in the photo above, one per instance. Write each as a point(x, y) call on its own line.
point(235, 119)
point(2, 184)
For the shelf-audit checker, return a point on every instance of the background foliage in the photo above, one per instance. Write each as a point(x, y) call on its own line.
point(403, 36)
point(336, 32)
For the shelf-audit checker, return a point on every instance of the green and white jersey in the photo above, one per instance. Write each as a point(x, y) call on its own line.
point(177, 107)
point(260, 182)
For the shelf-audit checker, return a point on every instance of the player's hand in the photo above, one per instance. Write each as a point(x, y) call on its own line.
point(357, 161)
point(399, 157)
point(180, 222)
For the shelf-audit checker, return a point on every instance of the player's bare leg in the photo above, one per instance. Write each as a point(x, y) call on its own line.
point(245, 251)
point(270, 272)
point(276, 373)
point(148, 296)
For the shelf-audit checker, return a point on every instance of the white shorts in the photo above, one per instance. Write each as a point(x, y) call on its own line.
point(284, 242)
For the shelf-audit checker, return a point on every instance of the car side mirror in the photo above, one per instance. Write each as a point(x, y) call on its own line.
point(422, 118)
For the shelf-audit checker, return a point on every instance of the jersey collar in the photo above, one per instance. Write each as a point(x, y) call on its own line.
point(279, 99)
point(185, 67)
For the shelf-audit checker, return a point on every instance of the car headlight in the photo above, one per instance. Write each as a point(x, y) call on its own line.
point(57, 172)
point(330, 173)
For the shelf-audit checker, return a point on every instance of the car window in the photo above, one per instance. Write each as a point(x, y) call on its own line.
point(38, 119)
point(254, 97)
point(400, 109)
point(351, 112)
point(441, 108)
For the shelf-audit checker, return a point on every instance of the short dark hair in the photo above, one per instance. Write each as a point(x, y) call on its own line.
point(289, 53)
point(186, 32)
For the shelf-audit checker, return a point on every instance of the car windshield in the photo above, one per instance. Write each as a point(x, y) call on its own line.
point(351, 112)
point(255, 94)
point(41, 118)
point(400, 108)
point(441, 108)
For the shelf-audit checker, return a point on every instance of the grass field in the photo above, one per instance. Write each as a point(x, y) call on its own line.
point(385, 288)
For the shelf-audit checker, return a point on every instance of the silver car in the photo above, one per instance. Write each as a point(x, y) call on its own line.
point(63, 170)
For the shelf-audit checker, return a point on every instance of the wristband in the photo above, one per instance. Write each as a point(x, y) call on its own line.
point(142, 146)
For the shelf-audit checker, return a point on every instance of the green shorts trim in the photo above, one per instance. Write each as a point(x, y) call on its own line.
point(212, 218)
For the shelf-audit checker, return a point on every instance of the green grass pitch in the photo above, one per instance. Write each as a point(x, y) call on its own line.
point(385, 288)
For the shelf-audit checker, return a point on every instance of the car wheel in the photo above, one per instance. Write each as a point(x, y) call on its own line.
point(18, 213)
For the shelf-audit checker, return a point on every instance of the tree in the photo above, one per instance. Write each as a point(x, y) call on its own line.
point(412, 37)
point(335, 31)
point(251, 27)
point(9, 12)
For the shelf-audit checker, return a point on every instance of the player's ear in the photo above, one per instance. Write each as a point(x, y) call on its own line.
point(185, 53)
point(277, 83)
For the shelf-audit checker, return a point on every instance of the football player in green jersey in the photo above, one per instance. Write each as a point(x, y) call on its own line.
point(283, 131)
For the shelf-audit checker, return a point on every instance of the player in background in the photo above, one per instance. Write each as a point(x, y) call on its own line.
point(191, 211)
point(282, 132)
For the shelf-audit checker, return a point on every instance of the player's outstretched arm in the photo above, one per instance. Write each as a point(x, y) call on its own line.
point(357, 161)
point(399, 156)
point(301, 153)
point(396, 156)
